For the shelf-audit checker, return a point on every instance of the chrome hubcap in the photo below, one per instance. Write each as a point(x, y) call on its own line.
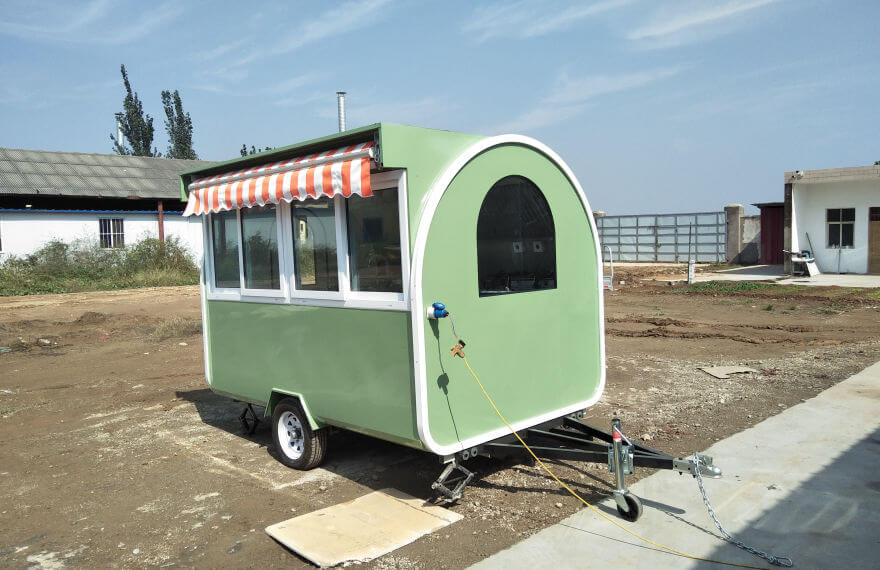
point(290, 435)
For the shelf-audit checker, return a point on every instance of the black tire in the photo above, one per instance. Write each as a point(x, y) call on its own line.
point(635, 508)
point(297, 444)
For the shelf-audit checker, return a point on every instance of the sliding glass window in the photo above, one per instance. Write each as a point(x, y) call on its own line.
point(259, 233)
point(314, 240)
point(374, 242)
point(224, 239)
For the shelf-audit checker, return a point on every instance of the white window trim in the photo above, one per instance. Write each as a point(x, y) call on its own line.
point(213, 292)
point(307, 295)
point(399, 301)
point(280, 294)
point(839, 223)
point(114, 236)
point(289, 294)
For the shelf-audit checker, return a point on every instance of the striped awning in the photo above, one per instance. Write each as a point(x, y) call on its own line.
point(344, 171)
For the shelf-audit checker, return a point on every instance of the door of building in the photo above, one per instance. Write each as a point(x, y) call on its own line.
point(874, 240)
point(772, 216)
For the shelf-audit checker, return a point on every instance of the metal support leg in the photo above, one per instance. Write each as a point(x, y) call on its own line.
point(617, 449)
point(621, 463)
point(461, 482)
point(249, 420)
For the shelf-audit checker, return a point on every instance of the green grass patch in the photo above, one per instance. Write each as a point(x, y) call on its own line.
point(727, 286)
point(59, 267)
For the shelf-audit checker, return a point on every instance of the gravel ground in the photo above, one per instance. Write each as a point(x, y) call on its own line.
point(113, 452)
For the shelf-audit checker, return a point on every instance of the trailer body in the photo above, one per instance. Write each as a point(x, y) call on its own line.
point(496, 228)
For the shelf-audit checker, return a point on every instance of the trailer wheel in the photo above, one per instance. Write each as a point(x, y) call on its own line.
point(635, 508)
point(298, 445)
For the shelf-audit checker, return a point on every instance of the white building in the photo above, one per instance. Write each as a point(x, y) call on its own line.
point(835, 214)
point(109, 199)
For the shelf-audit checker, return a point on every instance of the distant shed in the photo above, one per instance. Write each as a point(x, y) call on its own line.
point(107, 198)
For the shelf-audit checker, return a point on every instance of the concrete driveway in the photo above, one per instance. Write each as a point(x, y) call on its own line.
point(804, 484)
point(775, 273)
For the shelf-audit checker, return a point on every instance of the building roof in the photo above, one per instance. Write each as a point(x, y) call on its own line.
point(50, 173)
point(833, 174)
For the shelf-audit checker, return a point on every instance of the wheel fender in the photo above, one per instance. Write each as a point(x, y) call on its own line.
point(278, 395)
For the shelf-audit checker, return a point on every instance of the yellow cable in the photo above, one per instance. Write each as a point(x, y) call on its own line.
point(581, 499)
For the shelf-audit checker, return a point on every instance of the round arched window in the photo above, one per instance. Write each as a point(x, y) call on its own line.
point(516, 239)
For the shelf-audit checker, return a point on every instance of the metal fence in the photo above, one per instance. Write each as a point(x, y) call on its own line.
point(666, 237)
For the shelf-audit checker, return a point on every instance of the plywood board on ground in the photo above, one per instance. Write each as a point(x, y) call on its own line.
point(724, 372)
point(362, 529)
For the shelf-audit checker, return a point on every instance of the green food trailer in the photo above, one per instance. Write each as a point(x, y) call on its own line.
point(322, 262)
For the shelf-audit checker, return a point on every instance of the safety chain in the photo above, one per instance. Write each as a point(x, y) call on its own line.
point(775, 560)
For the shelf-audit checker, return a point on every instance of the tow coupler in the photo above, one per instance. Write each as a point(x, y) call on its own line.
point(573, 439)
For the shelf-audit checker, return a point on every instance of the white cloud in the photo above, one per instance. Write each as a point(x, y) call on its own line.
point(220, 50)
point(529, 18)
point(95, 23)
point(580, 89)
point(570, 97)
point(330, 24)
point(693, 22)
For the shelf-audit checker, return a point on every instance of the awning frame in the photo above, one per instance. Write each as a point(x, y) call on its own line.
point(368, 152)
point(341, 171)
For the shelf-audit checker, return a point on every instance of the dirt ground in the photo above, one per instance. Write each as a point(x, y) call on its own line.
point(114, 453)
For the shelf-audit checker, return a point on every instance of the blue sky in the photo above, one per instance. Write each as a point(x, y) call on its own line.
point(657, 106)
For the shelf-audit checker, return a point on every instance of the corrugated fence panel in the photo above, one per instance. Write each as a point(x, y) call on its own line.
point(666, 237)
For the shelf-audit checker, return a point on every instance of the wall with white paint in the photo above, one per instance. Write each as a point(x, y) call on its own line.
point(23, 232)
point(809, 204)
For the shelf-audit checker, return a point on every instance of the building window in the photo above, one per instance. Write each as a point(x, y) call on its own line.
point(224, 234)
point(841, 227)
point(314, 245)
point(259, 253)
point(516, 239)
point(111, 232)
point(374, 242)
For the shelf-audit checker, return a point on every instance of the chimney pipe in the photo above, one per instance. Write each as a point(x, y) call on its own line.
point(118, 132)
point(340, 106)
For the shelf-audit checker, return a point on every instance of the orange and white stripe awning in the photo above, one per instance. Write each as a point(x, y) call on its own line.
point(344, 171)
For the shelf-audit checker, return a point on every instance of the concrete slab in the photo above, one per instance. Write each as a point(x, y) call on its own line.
point(804, 484)
point(774, 273)
point(362, 529)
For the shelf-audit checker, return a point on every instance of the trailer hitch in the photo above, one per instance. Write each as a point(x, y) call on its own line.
point(699, 463)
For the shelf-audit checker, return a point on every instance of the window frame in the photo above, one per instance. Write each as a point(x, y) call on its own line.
point(552, 219)
point(281, 292)
point(840, 223)
point(118, 235)
point(307, 295)
point(289, 294)
point(210, 276)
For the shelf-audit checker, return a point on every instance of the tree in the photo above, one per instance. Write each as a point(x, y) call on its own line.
point(245, 152)
point(179, 127)
point(137, 128)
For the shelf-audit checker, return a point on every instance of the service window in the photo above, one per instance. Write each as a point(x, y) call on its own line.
point(374, 242)
point(111, 232)
point(841, 227)
point(314, 245)
point(224, 240)
point(259, 237)
point(516, 239)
